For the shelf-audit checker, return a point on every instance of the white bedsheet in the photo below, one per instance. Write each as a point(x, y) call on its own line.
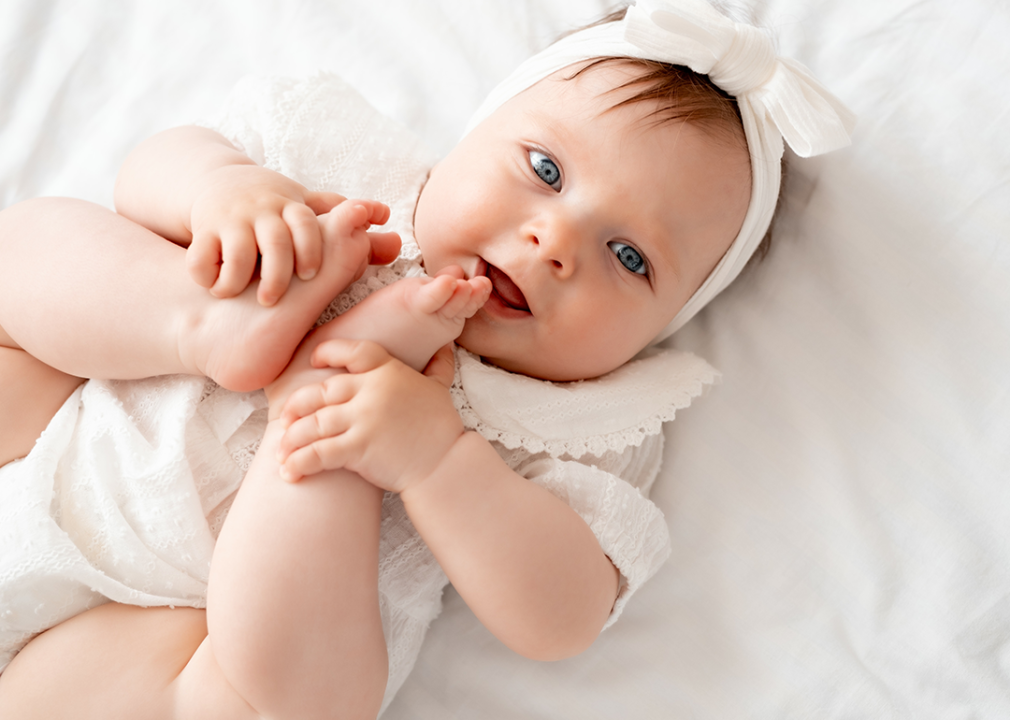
point(840, 504)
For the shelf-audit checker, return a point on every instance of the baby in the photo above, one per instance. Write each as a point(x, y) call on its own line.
point(602, 196)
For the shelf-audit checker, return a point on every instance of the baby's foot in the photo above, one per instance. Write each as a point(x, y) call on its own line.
point(414, 317)
point(411, 319)
point(242, 345)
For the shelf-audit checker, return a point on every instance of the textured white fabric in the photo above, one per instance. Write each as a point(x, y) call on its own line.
point(141, 473)
point(591, 417)
point(778, 99)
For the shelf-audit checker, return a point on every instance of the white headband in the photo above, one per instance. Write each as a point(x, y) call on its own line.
point(777, 97)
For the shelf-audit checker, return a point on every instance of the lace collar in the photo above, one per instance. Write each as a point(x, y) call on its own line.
point(588, 417)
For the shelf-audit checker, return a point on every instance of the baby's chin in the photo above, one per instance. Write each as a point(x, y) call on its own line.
point(541, 368)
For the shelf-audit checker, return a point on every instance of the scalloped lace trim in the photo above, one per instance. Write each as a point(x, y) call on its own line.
point(588, 417)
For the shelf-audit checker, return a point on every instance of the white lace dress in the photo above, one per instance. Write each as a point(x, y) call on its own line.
point(124, 494)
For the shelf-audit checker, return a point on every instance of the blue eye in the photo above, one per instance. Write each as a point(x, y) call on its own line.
point(546, 169)
point(629, 257)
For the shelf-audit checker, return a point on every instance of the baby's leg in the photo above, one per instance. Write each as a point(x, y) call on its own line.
point(30, 394)
point(292, 628)
point(114, 661)
point(293, 606)
point(311, 637)
point(95, 295)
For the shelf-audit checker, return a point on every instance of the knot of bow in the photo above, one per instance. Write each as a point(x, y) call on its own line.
point(741, 60)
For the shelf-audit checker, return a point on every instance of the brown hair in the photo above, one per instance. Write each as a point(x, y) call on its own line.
point(683, 96)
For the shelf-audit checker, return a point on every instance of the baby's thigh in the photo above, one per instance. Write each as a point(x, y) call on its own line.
point(30, 394)
point(115, 661)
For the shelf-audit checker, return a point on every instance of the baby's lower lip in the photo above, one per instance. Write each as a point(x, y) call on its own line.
point(510, 305)
point(506, 290)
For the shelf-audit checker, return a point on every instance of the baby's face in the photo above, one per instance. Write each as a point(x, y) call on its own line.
point(594, 226)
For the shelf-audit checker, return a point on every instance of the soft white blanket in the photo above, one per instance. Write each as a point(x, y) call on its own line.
point(840, 504)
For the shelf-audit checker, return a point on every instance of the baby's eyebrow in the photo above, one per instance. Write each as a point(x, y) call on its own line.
point(550, 125)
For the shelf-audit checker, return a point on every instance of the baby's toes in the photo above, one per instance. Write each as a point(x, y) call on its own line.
point(342, 222)
point(466, 299)
point(454, 308)
point(354, 216)
point(378, 213)
point(480, 291)
point(431, 297)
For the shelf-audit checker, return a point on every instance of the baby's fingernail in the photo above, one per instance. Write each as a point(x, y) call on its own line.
point(308, 274)
point(286, 474)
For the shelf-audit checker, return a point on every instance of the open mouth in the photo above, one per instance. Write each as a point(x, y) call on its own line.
point(506, 290)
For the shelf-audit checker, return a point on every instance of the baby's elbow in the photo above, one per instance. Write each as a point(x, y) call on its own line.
point(559, 625)
point(551, 652)
point(558, 642)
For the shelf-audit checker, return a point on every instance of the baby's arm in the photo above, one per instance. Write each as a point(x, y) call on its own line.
point(527, 565)
point(190, 185)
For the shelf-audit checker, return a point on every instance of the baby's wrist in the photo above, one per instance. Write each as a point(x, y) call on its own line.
point(451, 466)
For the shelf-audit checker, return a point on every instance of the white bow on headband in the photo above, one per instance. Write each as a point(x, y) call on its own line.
point(777, 97)
point(741, 60)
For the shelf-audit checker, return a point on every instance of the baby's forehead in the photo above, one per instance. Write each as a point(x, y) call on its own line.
point(645, 94)
point(606, 114)
point(595, 83)
point(569, 104)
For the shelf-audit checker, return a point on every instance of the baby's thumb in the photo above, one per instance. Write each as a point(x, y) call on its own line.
point(442, 367)
point(322, 202)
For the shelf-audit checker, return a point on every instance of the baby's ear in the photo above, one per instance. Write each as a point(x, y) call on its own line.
point(442, 367)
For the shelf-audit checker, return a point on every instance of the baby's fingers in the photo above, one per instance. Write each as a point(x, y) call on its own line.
point(329, 421)
point(355, 356)
point(442, 367)
point(325, 454)
point(203, 259)
point(238, 261)
point(307, 239)
point(274, 241)
point(306, 400)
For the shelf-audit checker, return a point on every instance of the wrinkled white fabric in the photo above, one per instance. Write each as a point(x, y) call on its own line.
point(123, 496)
point(778, 99)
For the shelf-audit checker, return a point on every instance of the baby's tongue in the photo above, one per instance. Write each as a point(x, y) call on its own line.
point(506, 289)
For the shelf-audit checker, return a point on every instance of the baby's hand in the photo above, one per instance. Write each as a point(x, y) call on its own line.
point(245, 213)
point(381, 419)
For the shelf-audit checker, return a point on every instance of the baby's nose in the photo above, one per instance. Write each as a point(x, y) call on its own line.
point(558, 244)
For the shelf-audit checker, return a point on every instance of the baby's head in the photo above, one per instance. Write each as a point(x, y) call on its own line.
point(607, 193)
